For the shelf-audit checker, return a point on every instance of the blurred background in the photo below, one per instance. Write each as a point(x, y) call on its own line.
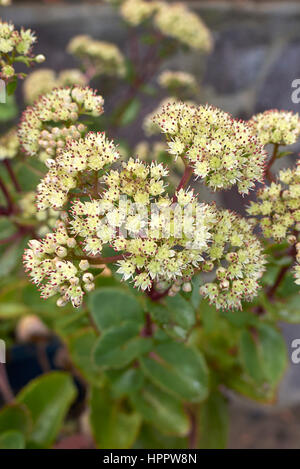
point(255, 59)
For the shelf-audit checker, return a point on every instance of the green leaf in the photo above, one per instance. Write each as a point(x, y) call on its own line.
point(12, 440)
point(179, 370)
point(162, 410)
point(176, 314)
point(130, 113)
point(71, 322)
point(120, 345)
point(81, 350)
point(289, 311)
point(10, 258)
point(250, 357)
point(273, 353)
point(125, 382)
point(8, 110)
point(12, 310)
point(114, 306)
point(48, 399)
point(112, 426)
point(11, 86)
point(15, 417)
point(264, 356)
point(151, 438)
point(182, 311)
point(213, 422)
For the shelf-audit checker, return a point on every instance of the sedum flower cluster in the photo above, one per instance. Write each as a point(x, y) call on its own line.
point(9, 145)
point(52, 121)
point(278, 205)
point(178, 82)
point(237, 253)
point(155, 246)
point(172, 20)
point(150, 127)
point(105, 57)
point(277, 127)
point(15, 46)
point(221, 150)
point(45, 80)
point(158, 240)
point(87, 155)
point(48, 266)
point(178, 22)
point(136, 12)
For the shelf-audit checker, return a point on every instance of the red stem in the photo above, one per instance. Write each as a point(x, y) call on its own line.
point(10, 171)
point(281, 274)
point(268, 173)
point(192, 437)
point(184, 181)
point(7, 196)
point(107, 260)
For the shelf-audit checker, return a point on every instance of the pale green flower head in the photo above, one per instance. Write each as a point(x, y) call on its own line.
point(9, 145)
point(221, 150)
point(63, 106)
point(105, 57)
point(277, 127)
point(278, 206)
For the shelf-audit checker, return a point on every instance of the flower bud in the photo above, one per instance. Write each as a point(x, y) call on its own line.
point(40, 58)
point(84, 264)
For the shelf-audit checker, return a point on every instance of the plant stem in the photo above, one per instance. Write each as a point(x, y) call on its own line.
point(281, 274)
point(12, 175)
point(5, 387)
point(268, 173)
point(184, 181)
point(107, 260)
point(7, 196)
point(155, 295)
point(192, 437)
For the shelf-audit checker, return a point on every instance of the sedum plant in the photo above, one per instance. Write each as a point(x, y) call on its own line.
point(164, 302)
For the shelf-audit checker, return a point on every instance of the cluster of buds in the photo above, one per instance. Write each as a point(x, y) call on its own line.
point(183, 284)
point(49, 267)
point(278, 205)
point(15, 46)
point(44, 220)
point(178, 22)
point(277, 127)
point(103, 57)
point(175, 21)
point(43, 81)
point(221, 150)
point(136, 12)
point(87, 155)
point(237, 253)
point(63, 106)
point(9, 145)
point(178, 83)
